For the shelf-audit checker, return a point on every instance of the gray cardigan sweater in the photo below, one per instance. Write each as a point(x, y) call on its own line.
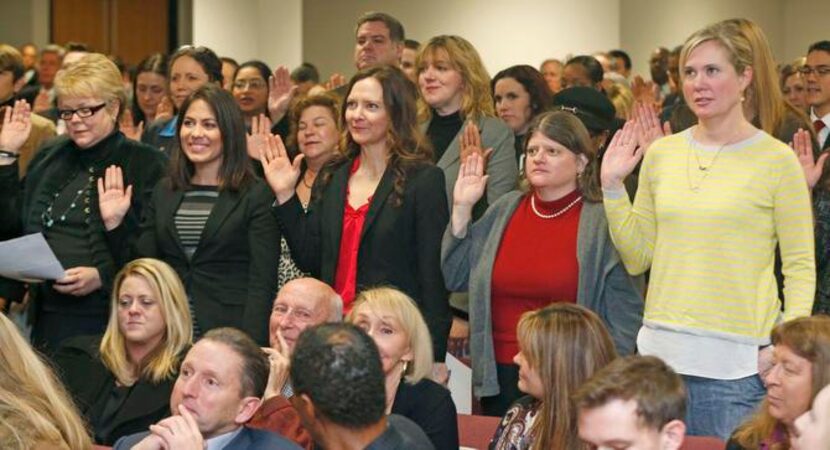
point(603, 286)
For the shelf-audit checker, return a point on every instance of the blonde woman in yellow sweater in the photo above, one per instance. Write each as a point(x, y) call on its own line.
point(712, 204)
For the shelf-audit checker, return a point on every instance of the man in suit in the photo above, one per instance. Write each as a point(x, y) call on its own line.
point(340, 394)
point(816, 73)
point(218, 389)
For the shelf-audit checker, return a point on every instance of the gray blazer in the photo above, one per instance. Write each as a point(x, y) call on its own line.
point(603, 286)
point(501, 167)
point(247, 439)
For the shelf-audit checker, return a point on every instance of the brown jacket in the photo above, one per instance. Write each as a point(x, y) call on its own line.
point(277, 415)
point(42, 129)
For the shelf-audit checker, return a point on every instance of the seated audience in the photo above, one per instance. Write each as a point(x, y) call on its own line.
point(812, 429)
point(339, 392)
point(801, 368)
point(35, 410)
point(636, 402)
point(546, 243)
point(122, 381)
point(393, 321)
point(301, 303)
point(520, 94)
point(560, 347)
point(218, 389)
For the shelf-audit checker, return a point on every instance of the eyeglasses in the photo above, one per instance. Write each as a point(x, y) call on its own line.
point(299, 314)
point(820, 71)
point(252, 84)
point(83, 113)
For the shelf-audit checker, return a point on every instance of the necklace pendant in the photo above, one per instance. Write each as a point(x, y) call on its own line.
point(702, 169)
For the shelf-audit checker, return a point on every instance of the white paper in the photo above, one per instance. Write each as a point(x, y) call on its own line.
point(29, 259)
point(461, 385)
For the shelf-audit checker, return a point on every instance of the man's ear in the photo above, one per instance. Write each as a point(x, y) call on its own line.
point(672, 434)
point(399, 51)
point(247, 408)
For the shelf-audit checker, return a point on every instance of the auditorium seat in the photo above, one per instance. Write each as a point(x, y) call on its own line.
point(476, 431)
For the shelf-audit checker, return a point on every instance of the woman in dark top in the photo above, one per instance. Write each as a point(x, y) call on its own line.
point(58, 196)
point(381, 206)
point(520, 93)
point(210, 220)
point(149, 91)
point(122, 381)
point(391, 318)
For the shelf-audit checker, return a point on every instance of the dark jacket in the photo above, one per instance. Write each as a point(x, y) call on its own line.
point(399, 245)
point(90, 383)
point(247, 439)
point(430, 406)
point(161, 134)
point(231, 279)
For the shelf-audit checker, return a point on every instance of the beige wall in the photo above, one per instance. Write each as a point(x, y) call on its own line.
point(804, 22)
point(24, 21)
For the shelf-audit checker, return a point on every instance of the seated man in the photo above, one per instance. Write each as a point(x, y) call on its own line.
point(301, 303)
point(636, 402)
point(340, 395)
point(218, 389)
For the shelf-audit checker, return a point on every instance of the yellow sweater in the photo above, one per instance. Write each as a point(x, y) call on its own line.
point(709, 236)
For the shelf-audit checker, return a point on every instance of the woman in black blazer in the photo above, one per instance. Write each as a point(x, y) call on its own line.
point(121, 382)
point(210, 220)
point(379, 209)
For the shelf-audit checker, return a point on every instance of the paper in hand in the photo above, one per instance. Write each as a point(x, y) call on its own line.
point(29, 259)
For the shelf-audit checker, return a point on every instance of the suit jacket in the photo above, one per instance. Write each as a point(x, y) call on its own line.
point(247, 439)
point(79, 365)
point(399, 245)
point(232, 277)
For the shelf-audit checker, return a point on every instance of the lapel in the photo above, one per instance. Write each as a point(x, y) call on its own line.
point(225, 204)
point(453, 153)
point(167, 211)
point(385, 187)
point(241, 441)
point(333, 217)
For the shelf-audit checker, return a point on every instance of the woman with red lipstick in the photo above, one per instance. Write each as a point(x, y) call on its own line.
point(546, 243)
point(801, 368)
point(378, 208)
point(712, 204)
point(210, 220)
point(122, 381)
point(520, 93)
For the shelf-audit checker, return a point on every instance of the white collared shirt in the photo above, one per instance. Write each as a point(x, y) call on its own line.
point(822, 135)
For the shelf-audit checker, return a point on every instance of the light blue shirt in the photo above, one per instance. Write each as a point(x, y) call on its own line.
point(221, 441)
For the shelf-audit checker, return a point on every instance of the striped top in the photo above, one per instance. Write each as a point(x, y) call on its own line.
point(709, 236)
point(192, 215)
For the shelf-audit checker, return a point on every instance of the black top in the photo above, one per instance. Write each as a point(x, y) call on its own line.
point(442, 130)
point(519, 145)
point(430, 406)
point(401, 434)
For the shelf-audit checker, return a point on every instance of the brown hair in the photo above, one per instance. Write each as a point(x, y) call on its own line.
point(325, 100)
point(566, 344)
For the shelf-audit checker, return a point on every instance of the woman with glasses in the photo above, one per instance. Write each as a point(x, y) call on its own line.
point(58, 197)
point(546, 243)
point(250, 89)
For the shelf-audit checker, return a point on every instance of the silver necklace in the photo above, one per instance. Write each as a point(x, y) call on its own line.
point(555, 214)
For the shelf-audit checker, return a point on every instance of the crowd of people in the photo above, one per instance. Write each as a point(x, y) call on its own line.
point(259, 258)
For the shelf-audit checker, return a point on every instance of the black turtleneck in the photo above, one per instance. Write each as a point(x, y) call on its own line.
point(442, 130)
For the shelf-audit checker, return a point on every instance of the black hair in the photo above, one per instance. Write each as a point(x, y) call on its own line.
point(155, 63)
point(823, 46)
point(533, 82)
point(621, 54)
point(305, 72)
point(260, 66)
point(591, 65)
point(411, 44)
point(204, 56)
point(337, 365)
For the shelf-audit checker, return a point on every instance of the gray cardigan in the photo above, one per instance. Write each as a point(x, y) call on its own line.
point(603, 286)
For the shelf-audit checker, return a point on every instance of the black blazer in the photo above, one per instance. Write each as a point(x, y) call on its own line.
point(429, 405)
point(399, 245)
point(232, 277)
point(89, 382)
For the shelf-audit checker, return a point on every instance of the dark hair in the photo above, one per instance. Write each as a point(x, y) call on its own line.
point(621, 54)
point(260, 66)
point(229, 60)
point(396, 31)
point(411, 44)
point(337, 365)
point(591, 65)
point(236, 171)
point(72, 46)
point(253, 374)
point(533, 82)
point(204, 56)
point(823, 46)
point(305, 72)
point(155, 63)
point(647, 380)
point(408, 146)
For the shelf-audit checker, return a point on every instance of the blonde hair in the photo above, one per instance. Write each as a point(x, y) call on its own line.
point(476, 98)
point(566, 344)
point(622, 98)
point(34, 405)
point(94, 75)
point(403, 309)
point(163, 362)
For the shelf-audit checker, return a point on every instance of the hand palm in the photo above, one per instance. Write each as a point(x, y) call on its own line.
point(469, 189)
point(280, 173)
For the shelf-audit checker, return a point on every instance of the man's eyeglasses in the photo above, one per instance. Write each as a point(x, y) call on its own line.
point(84, 113)
point(820, 71)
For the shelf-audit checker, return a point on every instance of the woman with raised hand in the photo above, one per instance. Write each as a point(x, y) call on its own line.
point(393, 321)
point(547, 243)
point(380, 208)
point(149, 92)
point(58, 196)
point(520, 93)
point(712, 203)
point(122, 381)
point(210, 220)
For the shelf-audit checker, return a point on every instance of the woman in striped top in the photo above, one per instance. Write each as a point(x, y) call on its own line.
point(210, 220)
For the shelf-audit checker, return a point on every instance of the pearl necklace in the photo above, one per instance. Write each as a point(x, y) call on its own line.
point(555, 214)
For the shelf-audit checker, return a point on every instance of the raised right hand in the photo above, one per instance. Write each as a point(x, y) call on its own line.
point(621, 157)
point(280, 173)
point(17, 125)
point(471, 181)
point(113, 199)
point(256, 139)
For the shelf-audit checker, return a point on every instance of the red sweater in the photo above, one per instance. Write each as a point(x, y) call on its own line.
point(536, 265)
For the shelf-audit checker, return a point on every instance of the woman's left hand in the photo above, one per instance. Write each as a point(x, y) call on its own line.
point(280, 93)
point(79, 281)
point(802, 145)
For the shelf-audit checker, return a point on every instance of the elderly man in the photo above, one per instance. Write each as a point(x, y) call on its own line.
point(218, 389)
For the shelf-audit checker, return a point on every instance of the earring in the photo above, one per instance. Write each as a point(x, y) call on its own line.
point(405, 368)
